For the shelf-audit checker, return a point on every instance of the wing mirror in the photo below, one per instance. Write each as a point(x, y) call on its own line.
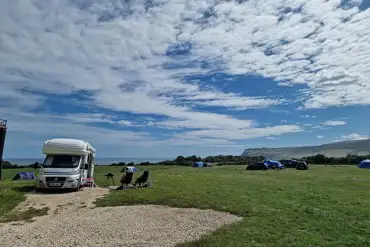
point(86, 166)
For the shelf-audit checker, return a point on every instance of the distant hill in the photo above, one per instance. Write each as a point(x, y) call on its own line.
point(335, 149)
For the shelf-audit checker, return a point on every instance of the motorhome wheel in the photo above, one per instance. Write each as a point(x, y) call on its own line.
point(78, 187)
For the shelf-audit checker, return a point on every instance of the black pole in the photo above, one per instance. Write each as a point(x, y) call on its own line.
point(3, 129)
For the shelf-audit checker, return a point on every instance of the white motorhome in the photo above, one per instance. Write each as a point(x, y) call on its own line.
point(67, 163)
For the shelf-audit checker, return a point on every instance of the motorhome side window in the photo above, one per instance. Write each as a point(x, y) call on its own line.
point(89, 159)
point(62, 161)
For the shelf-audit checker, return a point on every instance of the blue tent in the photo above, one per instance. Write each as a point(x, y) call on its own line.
point(257, 166)
point(198, 164)
point(24, 176)
point(364, 164)
point(129, 169)
point(274, 163)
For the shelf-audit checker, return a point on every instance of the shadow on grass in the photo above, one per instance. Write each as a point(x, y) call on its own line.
point(53, 191)
point(24, 189)
point(31, 189)
point(26, 215)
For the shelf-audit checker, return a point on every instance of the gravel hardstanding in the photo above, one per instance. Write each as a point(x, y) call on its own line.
point(73, 222)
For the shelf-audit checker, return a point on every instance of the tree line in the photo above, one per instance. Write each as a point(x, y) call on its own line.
point(189, 160)
point(350, 159)
point(219, 160)
point(9, 165)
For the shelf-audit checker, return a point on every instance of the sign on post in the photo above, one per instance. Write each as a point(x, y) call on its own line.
point(3, 129)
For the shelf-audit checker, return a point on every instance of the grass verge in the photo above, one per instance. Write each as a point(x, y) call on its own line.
point(324, 206)
point(11, 194)
point(26, 215)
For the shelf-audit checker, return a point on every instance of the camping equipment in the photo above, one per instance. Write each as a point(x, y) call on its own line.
point(127, 179)
point(273, 164)
point(301, 165)
point(24, 176)
point(3, 129)
point(129, 169)
point(199, 164)
point(289, 163)
point(364, 164)
point(257, 166)
point(109, 176)
point(142, 180)
point(88, 182)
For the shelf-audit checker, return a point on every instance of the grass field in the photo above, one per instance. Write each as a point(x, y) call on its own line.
point(324, 206)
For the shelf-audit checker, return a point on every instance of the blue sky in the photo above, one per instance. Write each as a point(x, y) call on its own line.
point(165, 78)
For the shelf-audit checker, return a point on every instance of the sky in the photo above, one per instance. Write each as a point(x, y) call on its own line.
point(162, 78)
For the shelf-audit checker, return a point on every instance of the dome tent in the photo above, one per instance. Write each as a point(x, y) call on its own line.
point(24, 176)
point(302, 165)
point(273, 164)
point(364, 164)
point(257, 166)
point(129, 169)
point(199, 164)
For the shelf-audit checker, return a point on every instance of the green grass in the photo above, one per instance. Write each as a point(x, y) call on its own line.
point(12, 192)
point(26, 215)
point(324, 206)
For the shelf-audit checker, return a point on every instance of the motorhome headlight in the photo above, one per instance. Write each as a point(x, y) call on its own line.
point(73, 178)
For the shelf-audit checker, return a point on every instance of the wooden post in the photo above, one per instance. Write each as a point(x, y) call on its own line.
point(3, 129)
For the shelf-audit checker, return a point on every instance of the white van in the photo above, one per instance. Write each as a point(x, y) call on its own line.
point(67, 163)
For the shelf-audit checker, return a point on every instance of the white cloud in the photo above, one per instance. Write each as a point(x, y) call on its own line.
point(307, 125)
point(323, 44)
point(32, 129)
point(40, 127)
point(88, 118)
point(322, 50)
point(125, 122)
point(207, 121)
point(307, 116)
point(100, 56)
point(320, 137)
point(241, 134)
point(353, 137)
point(272, 138)
point(58, 47)
point(334, 123)
point(113, 52)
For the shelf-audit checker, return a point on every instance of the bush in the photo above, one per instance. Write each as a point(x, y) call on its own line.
point(8, 165)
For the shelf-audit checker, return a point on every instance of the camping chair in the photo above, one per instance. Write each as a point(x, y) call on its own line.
point(109, 176)
point(127, 180)
point(142, 180)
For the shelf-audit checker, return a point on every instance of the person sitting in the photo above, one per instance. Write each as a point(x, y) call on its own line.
point(126, 178)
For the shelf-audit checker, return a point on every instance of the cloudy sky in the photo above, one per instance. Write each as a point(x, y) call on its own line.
point(161, 78)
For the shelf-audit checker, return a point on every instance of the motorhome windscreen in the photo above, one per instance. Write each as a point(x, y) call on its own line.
point(61, 161)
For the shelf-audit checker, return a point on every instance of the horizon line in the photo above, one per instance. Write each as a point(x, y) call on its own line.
point(12, 158)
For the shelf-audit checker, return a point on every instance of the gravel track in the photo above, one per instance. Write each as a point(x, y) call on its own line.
point(73, 221)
